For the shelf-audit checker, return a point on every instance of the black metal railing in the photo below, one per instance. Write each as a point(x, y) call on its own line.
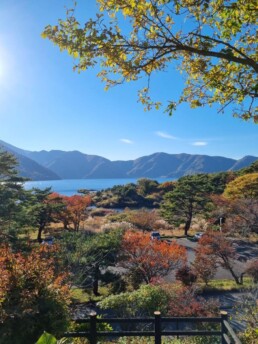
point(224, 330)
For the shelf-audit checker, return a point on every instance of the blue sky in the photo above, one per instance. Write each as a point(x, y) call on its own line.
point(45, 105)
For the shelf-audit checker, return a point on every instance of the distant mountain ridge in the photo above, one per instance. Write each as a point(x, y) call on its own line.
point(57, 164)
point(28, 167)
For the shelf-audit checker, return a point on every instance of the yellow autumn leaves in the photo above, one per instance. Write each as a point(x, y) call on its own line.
point(214, 43)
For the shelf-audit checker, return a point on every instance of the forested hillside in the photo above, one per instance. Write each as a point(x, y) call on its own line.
point(57, 164)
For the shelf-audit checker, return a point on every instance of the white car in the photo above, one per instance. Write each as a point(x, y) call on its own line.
point(198, 236)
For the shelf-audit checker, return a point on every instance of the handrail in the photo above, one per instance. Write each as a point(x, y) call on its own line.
point(149, 319)
point(226, 338)
point(225, 331)
point(231, 331)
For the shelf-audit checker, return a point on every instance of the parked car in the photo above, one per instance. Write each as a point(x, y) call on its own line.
point(48, 240)
point(197, 236)
point(155, 235)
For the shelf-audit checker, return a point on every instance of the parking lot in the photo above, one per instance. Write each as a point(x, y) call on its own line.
point(245, 250)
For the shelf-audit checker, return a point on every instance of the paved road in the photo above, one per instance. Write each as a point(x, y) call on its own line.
point(245, 250)
point(232, 302)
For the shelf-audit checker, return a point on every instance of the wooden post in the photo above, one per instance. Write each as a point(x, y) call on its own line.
point(224, 316)
point(93, 328)
point(157, 327)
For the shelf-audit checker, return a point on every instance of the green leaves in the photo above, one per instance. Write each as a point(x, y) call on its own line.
point(144, 301)
point(46, 338)
point(216, 49)
point(189, 198)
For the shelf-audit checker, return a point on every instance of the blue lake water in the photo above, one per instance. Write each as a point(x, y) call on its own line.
point(71, 186)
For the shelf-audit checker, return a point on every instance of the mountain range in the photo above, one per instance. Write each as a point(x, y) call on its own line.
point(58, 164)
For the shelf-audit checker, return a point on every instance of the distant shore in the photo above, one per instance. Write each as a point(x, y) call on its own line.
point(70, 187)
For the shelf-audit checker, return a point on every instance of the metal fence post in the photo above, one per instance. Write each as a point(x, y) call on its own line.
point(224, 317)
point(157, 327)
point(93, 328)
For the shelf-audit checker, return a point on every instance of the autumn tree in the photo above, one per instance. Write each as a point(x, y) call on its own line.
point(245, 186)
point(188, 199)
point(34, 297)
point(76, 209)
point(204, 265)
point(241, 214)
point(185, 302)
point(146, 259)
point(214, 246)
point(239, 203)
point(62, 215)
point(68, 209)
point(186, 275)
point(252, 269)
point(213, 42)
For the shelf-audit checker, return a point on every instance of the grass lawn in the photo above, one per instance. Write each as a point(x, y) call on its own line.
point(85, 295)
point(175, 234)
point(227, 285)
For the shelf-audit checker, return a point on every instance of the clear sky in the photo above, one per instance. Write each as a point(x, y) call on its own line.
point(45, 105)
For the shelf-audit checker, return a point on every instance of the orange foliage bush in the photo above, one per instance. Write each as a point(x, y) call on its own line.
point(184, 302)
point(34, 297)
point(150, 258)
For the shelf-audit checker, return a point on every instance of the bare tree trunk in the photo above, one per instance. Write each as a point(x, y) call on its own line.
point(95, 284)
point(39, 233)
point(238, 279)
point(187, 227)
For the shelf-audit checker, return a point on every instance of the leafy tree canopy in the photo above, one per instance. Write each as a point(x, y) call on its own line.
point(8, 165)
point(250, 169)
point(146, 259)
point(214, 245)
point(43, 207)
point(34, 297)
point(169, 299)
point(213, 42)
point(144, 301)
point(245, 186)
point(190, 197)
point(88, 255)
point(12, 195)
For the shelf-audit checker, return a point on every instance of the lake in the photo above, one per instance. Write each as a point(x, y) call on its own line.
point(71, 186)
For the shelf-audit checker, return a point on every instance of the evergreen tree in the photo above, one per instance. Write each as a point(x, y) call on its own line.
point(189, 198)
point(12, 196)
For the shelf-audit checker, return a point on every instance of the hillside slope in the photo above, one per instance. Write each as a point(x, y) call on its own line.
point(57, 164)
